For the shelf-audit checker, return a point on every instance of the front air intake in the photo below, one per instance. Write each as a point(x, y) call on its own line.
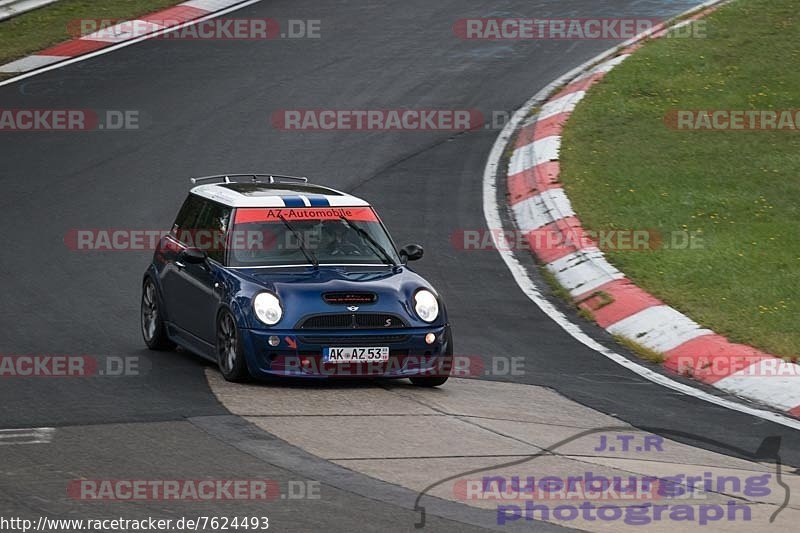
point(349, 298)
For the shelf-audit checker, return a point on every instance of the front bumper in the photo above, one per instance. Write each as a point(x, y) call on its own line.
point(299, 353)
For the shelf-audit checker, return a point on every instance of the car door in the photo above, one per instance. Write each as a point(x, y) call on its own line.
point(194, 289)
point(172, 279)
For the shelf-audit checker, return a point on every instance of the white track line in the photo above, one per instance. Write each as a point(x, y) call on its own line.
point(26, 436)
point(491, 212)
point(111, 48)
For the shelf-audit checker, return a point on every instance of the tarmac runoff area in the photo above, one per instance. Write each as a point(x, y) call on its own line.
point(478, 443)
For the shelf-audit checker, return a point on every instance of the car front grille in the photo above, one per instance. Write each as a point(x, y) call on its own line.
point(352, 321)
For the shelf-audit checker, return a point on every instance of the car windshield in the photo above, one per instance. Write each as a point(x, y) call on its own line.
point(302, 236)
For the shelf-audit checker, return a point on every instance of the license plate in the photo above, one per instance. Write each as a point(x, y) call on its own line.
point(356, 355)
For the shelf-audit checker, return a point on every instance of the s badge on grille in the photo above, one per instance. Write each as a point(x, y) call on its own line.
point(388, 323)
point(353, 308)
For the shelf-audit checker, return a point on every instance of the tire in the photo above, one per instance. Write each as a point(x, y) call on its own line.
point(230, 356)
point(445, 367)
point(154, 332)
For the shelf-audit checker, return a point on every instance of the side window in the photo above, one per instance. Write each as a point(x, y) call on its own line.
point(213, 222)
point(186, 221)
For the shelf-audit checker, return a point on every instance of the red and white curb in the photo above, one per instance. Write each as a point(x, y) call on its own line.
point(147, 25)
point(543, 212)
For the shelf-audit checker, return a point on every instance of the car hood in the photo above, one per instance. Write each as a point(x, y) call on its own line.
point(300, 289)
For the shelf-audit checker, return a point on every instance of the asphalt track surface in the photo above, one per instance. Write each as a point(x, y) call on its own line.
point(206, 109)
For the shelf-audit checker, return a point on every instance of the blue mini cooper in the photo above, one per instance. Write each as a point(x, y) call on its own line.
point(271, 276)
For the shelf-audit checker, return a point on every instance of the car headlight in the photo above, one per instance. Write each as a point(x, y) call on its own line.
point(426, 305)
point(268, 308)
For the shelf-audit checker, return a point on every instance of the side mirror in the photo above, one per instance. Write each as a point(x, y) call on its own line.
point(193, 256)
point(411, 252)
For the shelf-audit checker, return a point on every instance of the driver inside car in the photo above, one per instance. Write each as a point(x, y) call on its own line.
point(336, 240)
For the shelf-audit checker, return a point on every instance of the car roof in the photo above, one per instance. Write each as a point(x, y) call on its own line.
point(259, 194)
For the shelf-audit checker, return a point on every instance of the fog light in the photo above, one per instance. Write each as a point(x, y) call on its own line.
point(274, 340)
point(430, 338)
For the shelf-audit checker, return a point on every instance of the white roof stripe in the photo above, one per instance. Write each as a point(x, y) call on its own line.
point(234, 199)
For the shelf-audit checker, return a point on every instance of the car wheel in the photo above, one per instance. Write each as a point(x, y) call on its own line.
point(445, 366)
point(229, 349)
point(152, 322)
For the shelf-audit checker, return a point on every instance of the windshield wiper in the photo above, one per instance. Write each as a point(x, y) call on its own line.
point(375, 245)
point(299, 236)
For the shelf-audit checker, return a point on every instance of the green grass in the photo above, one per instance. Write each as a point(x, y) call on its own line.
point(738, 191)
point(41, 28)
point(558, 290)
point(642, 352)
